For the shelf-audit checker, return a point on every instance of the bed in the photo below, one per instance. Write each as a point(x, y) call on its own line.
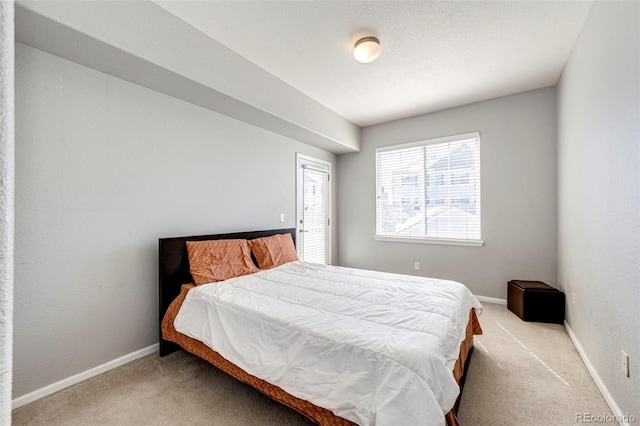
point(352, 391)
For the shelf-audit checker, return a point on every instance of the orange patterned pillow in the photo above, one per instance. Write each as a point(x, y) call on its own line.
point(274, 251)
point(218, 260)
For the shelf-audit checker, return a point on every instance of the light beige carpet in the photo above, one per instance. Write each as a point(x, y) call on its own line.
point(520, 374)
point(525, 373)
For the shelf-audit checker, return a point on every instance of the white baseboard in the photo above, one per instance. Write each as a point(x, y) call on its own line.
point(70, 381)
point(596, 378)
point(492, 300)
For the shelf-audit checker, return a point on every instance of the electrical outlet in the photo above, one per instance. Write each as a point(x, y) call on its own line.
point(281, 217)
point(416, 266)
point(625, 363)
point(573, 299)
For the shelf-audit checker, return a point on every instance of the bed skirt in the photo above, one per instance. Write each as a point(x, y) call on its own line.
point(319, 415)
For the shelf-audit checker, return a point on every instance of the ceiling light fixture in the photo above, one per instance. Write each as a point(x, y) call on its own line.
point(367, 50)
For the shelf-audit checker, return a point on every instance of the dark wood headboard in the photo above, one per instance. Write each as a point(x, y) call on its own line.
point(174, 268)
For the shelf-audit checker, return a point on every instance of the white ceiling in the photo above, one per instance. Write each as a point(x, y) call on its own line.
point(435, 55)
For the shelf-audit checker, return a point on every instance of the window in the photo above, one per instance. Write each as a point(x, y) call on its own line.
point(442, 179)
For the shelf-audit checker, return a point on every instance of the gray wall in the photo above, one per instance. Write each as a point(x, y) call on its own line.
point(599, 194)
point(103, 169)
point(6, 206)
point(518, 162)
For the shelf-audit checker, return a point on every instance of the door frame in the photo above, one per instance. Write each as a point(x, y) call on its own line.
point(301, 160)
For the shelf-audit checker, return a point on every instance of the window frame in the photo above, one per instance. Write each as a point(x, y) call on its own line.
point(424, 239)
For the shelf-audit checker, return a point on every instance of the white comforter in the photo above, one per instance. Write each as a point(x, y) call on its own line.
point(374, 348)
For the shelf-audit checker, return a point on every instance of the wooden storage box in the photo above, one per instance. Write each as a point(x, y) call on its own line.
point(535, 301)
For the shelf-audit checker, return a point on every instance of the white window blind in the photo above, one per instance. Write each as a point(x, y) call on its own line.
point(430, 189)
point(314, 219)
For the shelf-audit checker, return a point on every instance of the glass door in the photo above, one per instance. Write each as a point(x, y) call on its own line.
point(313, 200)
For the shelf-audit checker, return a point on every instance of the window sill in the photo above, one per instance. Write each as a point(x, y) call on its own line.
point(424, 240)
